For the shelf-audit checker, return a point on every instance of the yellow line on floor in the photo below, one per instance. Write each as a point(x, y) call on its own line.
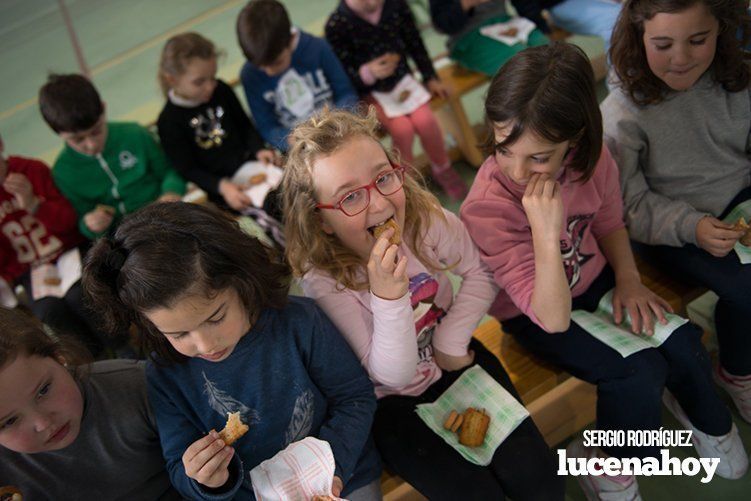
point(138, 49)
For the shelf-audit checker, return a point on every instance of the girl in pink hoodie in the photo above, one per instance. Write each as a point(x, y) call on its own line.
point(546, 212)
point(393, 302)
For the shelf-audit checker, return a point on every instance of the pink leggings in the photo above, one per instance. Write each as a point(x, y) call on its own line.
point(402, 130)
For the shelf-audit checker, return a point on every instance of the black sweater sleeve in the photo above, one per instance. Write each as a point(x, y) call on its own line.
point(413, 41)
point(448, 16)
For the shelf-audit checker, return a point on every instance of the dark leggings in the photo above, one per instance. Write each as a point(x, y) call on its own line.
point(727, 278)
point(629, 390)
point(522, 467)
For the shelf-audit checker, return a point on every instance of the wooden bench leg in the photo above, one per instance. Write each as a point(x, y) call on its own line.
point(454, 120)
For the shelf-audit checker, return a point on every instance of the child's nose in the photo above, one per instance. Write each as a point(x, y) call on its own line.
point(42, 421)
point(203, 342)
point(377, 201)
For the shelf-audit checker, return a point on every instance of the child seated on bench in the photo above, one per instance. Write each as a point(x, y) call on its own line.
point(395, 305)
point(373, 39)
point(546, 212)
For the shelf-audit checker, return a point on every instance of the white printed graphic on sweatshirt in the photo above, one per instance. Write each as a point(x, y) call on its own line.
point(224, 404)
point(301, 421)
point(294, 94)
point(208, 129)
point(573, 258)
point(127, 160)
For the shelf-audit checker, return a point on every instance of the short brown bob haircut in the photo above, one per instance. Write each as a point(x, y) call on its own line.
point(549, 91)
point(263, 31)
point(628, 55)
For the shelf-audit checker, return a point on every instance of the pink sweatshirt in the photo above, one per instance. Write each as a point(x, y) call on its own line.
point(395, 339)
point(495, 218)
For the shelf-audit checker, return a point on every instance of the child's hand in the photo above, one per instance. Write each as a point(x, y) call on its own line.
point(268, 157)
point(336, 486)
point(98, 220)
point(387, 277)
point(383, 66)
point(716, 237)
point(207, 459)
point(170, 197)
point(544, 207)
point(19, 185)
point(641, 304)
point(437, 88)
point(451, 363)
point(234, 195)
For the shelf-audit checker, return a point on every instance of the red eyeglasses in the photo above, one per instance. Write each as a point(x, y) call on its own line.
point(354, 202)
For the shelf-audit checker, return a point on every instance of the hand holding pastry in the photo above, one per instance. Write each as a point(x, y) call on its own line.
point(99, 219)
point(20, 186)
point(387, 276)
point(233, 195)
point(716, 237)
point(207, 460)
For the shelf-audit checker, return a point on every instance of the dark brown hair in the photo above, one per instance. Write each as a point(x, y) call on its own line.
point(70, 103)
point(629, 58)
point(263, 31)
point(548, 90)
point(177, 53)
point(168, 251)
point(22, 334)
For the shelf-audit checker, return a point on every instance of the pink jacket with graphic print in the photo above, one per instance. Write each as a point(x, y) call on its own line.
point(495, 218)
point(394, 340)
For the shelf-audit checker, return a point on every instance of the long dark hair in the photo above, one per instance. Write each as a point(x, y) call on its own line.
point(548, 90)
point(166, 251)
point(627, 52)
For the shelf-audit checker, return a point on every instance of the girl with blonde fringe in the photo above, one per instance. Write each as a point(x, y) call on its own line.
point(389, 294)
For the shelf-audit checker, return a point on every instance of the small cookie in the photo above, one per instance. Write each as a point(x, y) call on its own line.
point(511, 32)
point(449, 423)
point(322, 498)
point(234, 429)
point(404, 95)
point(474, 428)
point(742, 225)
point(396, 238)
point(257, 179)
point(52, 281)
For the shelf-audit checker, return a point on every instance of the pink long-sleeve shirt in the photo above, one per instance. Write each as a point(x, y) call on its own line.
point(495, 218)
point(394, 339)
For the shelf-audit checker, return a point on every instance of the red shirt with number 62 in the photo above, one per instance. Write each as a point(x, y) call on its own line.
point(28, 239)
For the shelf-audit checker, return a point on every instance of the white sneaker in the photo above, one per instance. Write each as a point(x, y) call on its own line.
point(739, 389)
point(728, 447)
point(601, 488)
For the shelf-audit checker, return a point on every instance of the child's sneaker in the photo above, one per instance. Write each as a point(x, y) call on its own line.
point(450, 182)
point(728, 447)
point(739, 389)
point(603, 487)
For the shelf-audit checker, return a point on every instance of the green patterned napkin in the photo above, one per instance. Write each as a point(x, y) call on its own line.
point(743, 209)
point(475, 388)
point(619, 337)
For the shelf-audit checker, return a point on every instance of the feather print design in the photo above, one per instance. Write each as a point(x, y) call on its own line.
point(223, 403)
point(302, 419)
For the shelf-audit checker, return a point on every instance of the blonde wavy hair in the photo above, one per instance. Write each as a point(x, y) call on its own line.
point(308, 246)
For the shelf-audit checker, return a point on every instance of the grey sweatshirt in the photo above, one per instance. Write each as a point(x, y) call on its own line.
point(679, 160)
point(116, 454)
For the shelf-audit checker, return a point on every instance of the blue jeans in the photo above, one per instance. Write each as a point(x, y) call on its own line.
point(727, 278)
point(587, 17)
point(629, 390)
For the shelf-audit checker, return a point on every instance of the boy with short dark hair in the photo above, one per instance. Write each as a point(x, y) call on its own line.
point(106, 170)
point(289, 73)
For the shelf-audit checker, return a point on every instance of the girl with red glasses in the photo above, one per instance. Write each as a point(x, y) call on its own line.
point(391, 298)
